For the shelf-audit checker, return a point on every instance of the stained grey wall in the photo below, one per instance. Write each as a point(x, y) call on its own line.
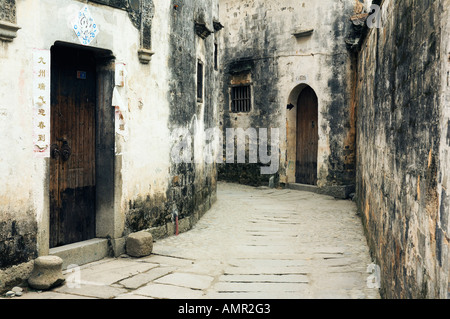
point(401, 171)
point(192, 186)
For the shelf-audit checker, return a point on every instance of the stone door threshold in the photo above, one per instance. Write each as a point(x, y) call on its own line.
point(82, 253)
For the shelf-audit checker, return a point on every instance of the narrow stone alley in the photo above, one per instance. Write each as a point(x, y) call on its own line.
point(255, 243)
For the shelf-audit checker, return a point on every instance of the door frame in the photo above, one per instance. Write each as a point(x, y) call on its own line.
point(299, 135)
point(107, 173)
point(72, 180)
point(291, 134)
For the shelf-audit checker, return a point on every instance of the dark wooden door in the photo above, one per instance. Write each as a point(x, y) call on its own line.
point(72, 163)
point(307, 137)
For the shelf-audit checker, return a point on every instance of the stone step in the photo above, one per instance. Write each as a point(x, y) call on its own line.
point(82, 253)
point(303, 187)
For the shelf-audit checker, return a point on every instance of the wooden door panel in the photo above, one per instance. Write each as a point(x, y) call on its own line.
point(307, 137)
point(72, 179)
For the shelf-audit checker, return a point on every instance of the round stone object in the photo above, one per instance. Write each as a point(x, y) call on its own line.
point(47, 273)
point(17, 289)
point(139, 244)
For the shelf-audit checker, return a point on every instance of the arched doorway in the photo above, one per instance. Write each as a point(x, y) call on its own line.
point(307, 137)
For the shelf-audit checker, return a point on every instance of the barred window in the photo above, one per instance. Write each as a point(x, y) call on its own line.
point(241, 99)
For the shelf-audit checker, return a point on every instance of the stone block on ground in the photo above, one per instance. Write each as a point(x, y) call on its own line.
point(47, 273)
point(139, 244)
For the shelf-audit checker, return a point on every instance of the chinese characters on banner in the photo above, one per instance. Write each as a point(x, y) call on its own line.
point(41, 103)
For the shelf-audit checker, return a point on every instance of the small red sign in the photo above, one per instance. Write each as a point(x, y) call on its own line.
point(81, 75)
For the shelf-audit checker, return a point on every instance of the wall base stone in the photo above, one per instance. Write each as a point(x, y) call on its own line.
point(340, 192)
point(139, 244)
point(15, 275)
point(337, 191)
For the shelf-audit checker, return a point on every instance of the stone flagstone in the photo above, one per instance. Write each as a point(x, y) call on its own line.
point(187, 280)
point(161, 291)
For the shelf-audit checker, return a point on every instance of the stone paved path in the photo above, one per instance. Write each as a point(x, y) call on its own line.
point(255, 243)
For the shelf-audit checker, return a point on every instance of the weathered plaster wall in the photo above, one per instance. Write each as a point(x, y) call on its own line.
point(158, 97)
point(402, 129)
point(260, 35)
point(24, 193)
point(191, 187)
